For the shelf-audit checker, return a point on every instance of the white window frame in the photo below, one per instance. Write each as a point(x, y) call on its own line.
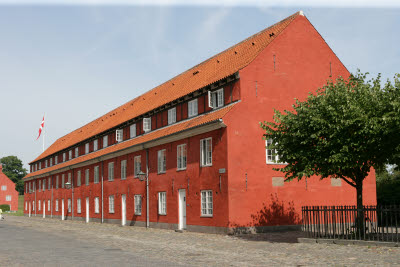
point(162, 203)
point(62, 180)
point(162, 161)
point(193, 108)
point(147, 124)
point(119, 135)
point(3, 188)
point(96, 174)
point(64, 157)
point(40, 185)
point(69, 205)
point(206, 152)
point(105, 141)
point(87, 148)
point(51, 162)
point(138, 204)
point(111, 171)
point(78, 206)
point(49, 184)
point(40, 165)
point(44, 185)
point(26, 205)
point(123, 169)
point(56, 205)
point(56, 160)
point(48, 205)
point(216, 98)
point(78, 178)
point(206, 205)
point(8, 198)
point(69, 179)
point(57, 182)
point(181, 157)
point(76, 152)
point(87, 177)
point(33, 205)
point(70, 154)
point(95, 145)
point(271, 155)
point(45, 163)
point(171, 115)
point(111, 204)
point(137, 160)
point(39, 206)
point(96, 205)
point(132, 130)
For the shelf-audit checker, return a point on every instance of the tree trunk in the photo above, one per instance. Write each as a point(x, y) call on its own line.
point(360, 229)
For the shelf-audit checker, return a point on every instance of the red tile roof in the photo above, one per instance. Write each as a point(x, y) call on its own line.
point(212, 70)
point(156, 134)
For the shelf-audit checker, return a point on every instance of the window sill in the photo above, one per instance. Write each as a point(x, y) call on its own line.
point(206, 216)
point(162, 214)
point(178, 170)
point(138, 214)
point(209, 165)
point(276, 163)
point(161, 172)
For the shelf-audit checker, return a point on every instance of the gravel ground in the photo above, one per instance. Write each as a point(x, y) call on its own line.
point(106, 244)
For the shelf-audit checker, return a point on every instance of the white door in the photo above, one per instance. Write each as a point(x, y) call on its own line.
point(182, 209)
point(29, 209)
point(123, 206)
point(62, 210)
point(87, 210)
point(44, 208)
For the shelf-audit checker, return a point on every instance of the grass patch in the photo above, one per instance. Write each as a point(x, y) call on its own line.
point(20, 211)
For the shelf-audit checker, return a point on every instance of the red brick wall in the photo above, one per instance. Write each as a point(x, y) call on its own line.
point(4, 180)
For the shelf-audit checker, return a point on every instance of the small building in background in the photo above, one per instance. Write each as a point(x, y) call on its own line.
point(8, 194)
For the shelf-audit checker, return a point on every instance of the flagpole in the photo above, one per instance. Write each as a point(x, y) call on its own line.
point(43, 132)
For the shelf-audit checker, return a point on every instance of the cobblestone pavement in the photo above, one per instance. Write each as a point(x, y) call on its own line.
point(107, 244)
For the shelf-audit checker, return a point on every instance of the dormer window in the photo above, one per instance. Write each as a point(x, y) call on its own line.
point(171, 115)
point(45, 163)
point(70, 154)
point(95, 145)
point(216, 98)
point(192, 108)
point(132, 131)
point(56, 160)
point(119, 135)
point(146, 125)
point(87, 148)
point(105, 141)
point(40, 165)
point(64, 156)
point(76, 152)
point(51, 162)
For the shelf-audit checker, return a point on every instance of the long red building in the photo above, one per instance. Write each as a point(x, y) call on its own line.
point(196, 143)
point(8, 194)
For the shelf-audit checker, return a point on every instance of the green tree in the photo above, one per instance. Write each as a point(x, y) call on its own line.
point(14, 169)
point(388, 186)
point(342, 131)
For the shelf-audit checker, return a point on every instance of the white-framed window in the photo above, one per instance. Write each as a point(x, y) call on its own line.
point(206, 152)
point(44, 184)
point(45, 163)
point(76, 152)
point(206, 203)
point(62, 180)
point(57, 182)
point(34, 186)
point(146, 125)
point(193, 108)
point(87, 148)
point(40, 165)
point(162, 161)
point(64, 157)
point(111, 204)
point(40, 185)
point(33, 205)
point(111, 171)
point(70, 154)
point(39, 206)
point(181, 157)
point(56, 204)
point(96, 174)
point(123, 169)
point(271, 154)
point(78, 206)
point(69, 179)
point(49, 184)
point(95, 145)
point(3, 188)
point(56, 160)
point(26, 205)
point(119, 135)
point(8, 198)
point(105, 141)
point(216, 98)
point(51, 162)
point(132, 131)
point(69, 205)
point(78, 178)
point(138, 165)
point(87, 176)
point(96, 205)
point(48, 205)
point(30, 187)
point(138, 204)
point(162, 203)
point(171, 115)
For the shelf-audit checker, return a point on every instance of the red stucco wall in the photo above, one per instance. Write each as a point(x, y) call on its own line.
point(4, 180)
point(302, 64)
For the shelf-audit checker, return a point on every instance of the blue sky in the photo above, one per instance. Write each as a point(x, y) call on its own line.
point(75, 63)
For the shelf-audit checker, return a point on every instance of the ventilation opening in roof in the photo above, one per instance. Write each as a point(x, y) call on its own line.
point(196, 72)
point(271, 34)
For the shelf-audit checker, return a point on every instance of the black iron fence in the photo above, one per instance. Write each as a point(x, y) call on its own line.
point(377, 223)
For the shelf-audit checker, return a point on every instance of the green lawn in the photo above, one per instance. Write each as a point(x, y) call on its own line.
point(20, 211)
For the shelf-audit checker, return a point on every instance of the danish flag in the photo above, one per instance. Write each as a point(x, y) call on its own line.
point(40, 128)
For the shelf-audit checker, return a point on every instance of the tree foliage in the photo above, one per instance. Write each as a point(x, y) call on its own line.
point(14, 169)
point(343, 130)
point(388, 187)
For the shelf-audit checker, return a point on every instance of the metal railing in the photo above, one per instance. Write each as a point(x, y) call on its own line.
point(373, 223)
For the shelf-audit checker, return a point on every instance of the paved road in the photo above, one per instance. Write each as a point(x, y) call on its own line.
point(48, 242)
